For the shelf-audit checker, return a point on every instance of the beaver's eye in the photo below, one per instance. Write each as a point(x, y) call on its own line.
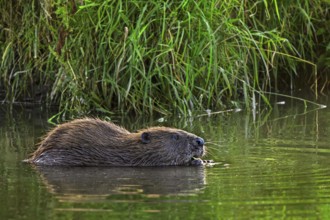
point(175, 137)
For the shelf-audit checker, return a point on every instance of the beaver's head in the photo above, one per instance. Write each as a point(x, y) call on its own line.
point(170, 146)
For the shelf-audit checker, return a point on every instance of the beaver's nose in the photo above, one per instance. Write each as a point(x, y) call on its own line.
point(199, 141)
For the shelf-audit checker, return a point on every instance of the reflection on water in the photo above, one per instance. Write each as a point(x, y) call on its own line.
point(272, 165)
point(87, 182)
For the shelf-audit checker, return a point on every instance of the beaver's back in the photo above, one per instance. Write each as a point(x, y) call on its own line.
point(84, 132)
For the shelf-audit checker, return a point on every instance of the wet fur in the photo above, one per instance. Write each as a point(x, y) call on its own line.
point(93, 142)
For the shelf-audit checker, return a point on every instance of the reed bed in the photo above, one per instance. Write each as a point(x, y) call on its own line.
point(160, 56)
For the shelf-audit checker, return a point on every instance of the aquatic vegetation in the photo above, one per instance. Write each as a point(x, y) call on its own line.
point(160, 56)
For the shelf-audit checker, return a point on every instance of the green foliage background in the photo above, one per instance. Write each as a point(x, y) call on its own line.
point(160, 56)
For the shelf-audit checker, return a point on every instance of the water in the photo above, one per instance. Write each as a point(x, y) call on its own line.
point(274, 165)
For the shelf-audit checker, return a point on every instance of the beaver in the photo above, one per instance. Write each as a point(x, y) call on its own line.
point(94, 142)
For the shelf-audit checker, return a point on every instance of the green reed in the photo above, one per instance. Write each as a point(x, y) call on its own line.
point(159, 56)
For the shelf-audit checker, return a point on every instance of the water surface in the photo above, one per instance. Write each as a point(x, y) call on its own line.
point(271, 165)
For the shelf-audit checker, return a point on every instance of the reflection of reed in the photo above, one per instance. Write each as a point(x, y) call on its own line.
point(96, 183)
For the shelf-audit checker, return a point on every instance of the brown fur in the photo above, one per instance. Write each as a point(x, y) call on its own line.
point(93, 142)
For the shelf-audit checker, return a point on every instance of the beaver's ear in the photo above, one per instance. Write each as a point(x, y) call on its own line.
point(145, 137)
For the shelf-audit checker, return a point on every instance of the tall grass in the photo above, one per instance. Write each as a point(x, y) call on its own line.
point(159, 56)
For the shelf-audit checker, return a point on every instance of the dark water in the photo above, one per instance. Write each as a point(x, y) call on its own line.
point(271, 165)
